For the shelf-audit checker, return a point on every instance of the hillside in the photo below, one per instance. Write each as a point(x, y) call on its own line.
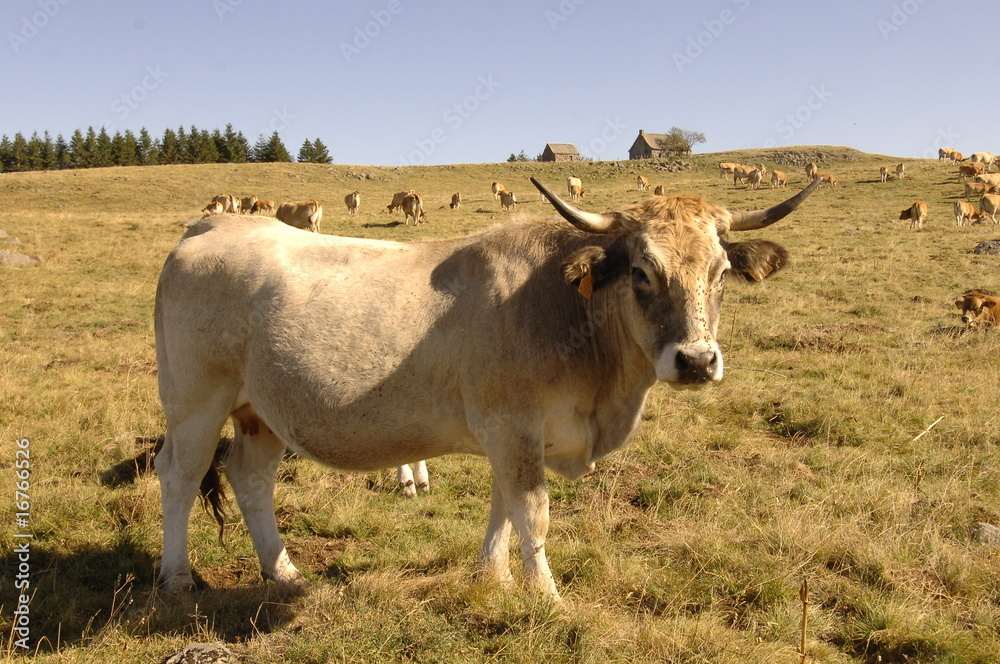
point(806, 462)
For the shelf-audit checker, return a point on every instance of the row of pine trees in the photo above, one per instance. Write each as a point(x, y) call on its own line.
point(94, 149)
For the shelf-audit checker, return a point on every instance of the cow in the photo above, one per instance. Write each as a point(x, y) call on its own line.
point(966, 212)
point(755, 178)
point(811, 170)
point(957, 156)
point(763, 170)
point(366, 354)
point(828, 178)
point(976, 189)
point(900, 170)
point(229, 203)
point(497, 188)
point(305, 215)
point(779, 179)
point(987, 158)
point(456, 201)
point(215, 207)
point(979, 307)
point(991, 180)
point(353, 202)
point(726, 169)
point(572, 182)
point(883, 173)
point(265, 205)
point(990, 204)
point(507, 201)
point(397, 200)
point(916, 213)
point(413, 206)
point(741, 173)
point(642, 183)
point(660, 190)
point(413, 479)
point(246, 204)
point(970, 170)
point(945, 153)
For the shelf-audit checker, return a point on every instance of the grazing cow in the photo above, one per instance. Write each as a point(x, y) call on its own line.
point(397, 200)
point(990, 204)
point(811, 171)
point(971, 170)
point(900, 170)
point(456, 201)
point(215, 207)
point(230, 204)
point(497, 188)
point(413, 479)
point(660, 190)
point(413, 206)
point(966, 212)
point(763, 170)
point(507, 200)
point(642, 183)
point(779, 179)
point(828, 178)
point(741, 173)
point(265, 205)
point(246, 204)
point(979, 307)
point(575, 192)
point(986, 158)
point(916, 213)
point(363, 354)
point(726, 169)
point(957, 156)
point(976, 189)
point(755, 178)
point(353, 202)
point(305, 215)
point(574, 182)
point(945, 153)
point(883, 173)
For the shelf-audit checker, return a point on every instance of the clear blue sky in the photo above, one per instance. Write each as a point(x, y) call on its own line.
point(388, 82)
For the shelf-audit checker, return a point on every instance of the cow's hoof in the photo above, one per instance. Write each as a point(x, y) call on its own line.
point(178, 583)
point(423, 487)
point(408, 489)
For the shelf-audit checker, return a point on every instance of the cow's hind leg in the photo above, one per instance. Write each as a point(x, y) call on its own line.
point(251, 468)
point(413, 479)
point(187, 453)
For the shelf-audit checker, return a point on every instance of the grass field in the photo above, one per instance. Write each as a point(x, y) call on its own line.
point(690, 545)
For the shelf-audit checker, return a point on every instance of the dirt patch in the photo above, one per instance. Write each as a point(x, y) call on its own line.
point(841, 338)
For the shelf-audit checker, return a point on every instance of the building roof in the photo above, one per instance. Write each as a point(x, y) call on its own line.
point(656, 141)
point(562, 148)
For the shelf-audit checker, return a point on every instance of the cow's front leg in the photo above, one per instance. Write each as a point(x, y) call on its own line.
point(494, 560)
point(519, 475)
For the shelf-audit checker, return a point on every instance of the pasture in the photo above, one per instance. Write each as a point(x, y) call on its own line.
point(815, 458)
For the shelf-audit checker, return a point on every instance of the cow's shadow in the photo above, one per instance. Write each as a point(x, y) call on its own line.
point(78, 593)
point(390, 224)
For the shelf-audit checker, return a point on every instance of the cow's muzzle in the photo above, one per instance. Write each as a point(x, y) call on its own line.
point(690, 365)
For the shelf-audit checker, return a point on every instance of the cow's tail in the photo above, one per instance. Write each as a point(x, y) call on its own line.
point(213, 495)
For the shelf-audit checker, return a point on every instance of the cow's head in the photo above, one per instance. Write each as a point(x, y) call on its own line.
point(672, 256)
point(978, 308)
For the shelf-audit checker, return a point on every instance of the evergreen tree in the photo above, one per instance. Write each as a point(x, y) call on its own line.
point(321, 154)
point(19, 153)
point(63, 154)
point(102, 149)
point(78, 150)
point(307, 153)
point(170, 148)
point(276, 150)
point(6, 154)
point(33, 160)
point(183, 147)
point(116, 152)
point(50, 160)
point(145, 151)
point(258, 153)
point(205, 151)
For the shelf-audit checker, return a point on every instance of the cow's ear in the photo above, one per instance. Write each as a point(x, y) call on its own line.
point(959, 304)
point(581, 263)
point(754, 260)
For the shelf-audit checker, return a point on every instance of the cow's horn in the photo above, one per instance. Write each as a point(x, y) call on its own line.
point(585, 221)
point(753, 219)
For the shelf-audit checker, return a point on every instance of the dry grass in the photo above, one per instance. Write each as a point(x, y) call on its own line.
point(687, 546)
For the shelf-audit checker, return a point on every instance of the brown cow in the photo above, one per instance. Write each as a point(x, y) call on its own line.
point(456, 201)
point(741, 173)
point(305, 215)
point(215, 207)
point(990, 204)
point(883, 173)
point(779, 179)
point(397, 200)
point(971, 170)
point(916, 213)
point(496, 187)
point(507, 200)
point(413, 206)
point(979, 307)
point(811, 170)
point(966, 212)
point(660, 190)
point(827, 178)
point(263, 205)
point(246, 204)
point(977, 189)
point(642, 183)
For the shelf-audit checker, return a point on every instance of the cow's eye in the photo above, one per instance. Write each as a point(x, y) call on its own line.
point(639, 277)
